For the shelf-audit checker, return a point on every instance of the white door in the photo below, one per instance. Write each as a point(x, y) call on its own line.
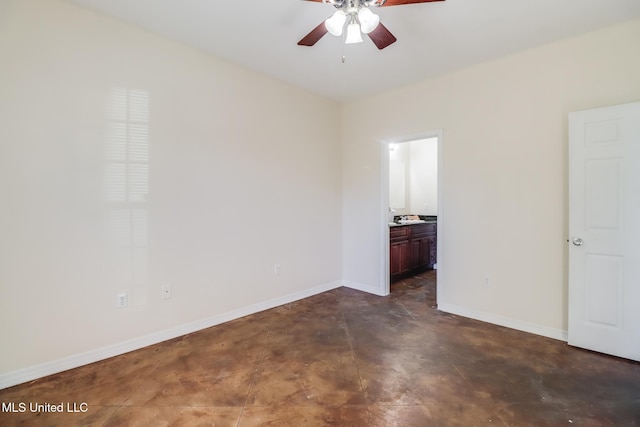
point(604, 230)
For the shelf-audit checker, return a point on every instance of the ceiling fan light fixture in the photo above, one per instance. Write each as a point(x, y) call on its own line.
point(368, 20)
point(353, 33)
point(335, 24)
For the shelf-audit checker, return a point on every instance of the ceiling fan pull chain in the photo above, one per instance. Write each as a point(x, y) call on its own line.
point(344, 58)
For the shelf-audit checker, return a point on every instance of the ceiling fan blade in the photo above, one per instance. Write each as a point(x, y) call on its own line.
point(401, 2)
point(315, 35)
point(382, 37)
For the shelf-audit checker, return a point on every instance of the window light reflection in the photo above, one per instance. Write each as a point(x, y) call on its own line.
point(126, 187)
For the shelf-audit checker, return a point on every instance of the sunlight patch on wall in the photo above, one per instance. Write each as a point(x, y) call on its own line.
point(126, 187)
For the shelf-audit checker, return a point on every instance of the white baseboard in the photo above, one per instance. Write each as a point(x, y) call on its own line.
point(48, 368)
point(362, 287)
point(545, 331)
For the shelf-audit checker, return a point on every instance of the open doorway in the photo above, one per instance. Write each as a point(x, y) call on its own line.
point(412, 210)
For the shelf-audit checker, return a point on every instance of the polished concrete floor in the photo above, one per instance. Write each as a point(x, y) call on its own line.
point(345, 358)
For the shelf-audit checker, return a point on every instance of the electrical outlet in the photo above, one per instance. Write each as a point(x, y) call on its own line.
point(486, 281)
point(276, 270)
point(165, 291)
point(122, 300)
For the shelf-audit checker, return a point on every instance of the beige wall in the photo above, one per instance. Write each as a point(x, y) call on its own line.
point(244, 173)
point(504, 172)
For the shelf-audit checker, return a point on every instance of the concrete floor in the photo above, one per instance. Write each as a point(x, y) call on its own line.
point(345, 358)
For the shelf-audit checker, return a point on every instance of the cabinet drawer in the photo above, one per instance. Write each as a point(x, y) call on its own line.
point(423, 229)
point(399, 233)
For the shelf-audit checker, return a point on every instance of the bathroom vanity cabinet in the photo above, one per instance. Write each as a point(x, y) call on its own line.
point(412, 249)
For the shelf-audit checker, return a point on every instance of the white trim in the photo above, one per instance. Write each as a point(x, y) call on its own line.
point(545, 331)
point(364, 288)
point(48, 368)
point(384, 284)
point(442, 218)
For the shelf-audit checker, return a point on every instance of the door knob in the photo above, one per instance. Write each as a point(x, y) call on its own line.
point(577, 241)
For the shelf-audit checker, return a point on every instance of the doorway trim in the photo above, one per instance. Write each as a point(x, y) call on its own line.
point(384, 279)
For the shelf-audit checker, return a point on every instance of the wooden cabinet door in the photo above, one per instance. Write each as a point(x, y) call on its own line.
point(419, 253)
point(399, 254)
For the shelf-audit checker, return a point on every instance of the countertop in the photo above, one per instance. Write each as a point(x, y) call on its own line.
point(431, 221)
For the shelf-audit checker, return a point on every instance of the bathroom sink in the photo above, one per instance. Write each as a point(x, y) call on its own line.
point(411, 221)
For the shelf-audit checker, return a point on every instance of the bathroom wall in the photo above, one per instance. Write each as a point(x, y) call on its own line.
point(423, 176)
point(413, 177)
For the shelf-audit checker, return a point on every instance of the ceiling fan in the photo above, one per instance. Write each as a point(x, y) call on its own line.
point(359, 18)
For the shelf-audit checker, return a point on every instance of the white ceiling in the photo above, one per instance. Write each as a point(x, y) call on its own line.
point(433, 38)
